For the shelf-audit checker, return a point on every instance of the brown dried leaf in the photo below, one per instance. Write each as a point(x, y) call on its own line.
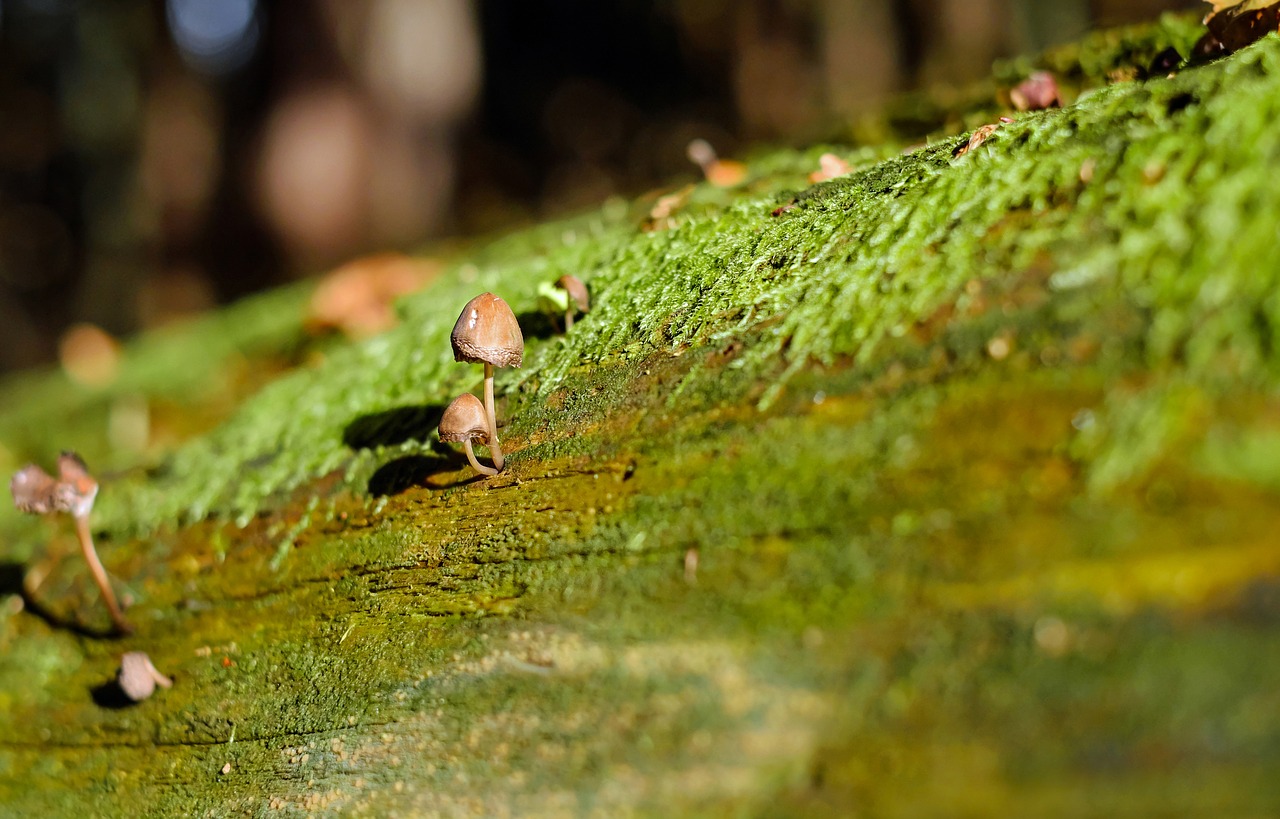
point(662, 214)
point(357, 298)
point(1219, 5)
point(979, 136)
point(1236, 25)
point(725, 173)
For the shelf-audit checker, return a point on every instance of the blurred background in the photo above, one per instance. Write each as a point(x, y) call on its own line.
point(159, 157)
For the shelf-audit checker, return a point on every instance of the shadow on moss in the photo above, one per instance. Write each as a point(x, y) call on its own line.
point(109, 695)
point(393, 426)
point(396, 476)
point(536, 324)
point(11, 583)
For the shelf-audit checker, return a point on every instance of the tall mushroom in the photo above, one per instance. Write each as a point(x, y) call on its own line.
point(487, 333)
point(73, 491)
point(578, 298)
point(464, 421)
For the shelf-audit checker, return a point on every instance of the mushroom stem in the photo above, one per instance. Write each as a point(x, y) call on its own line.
point(100, 574)
point(568, 319)
point(495, 448)
point(161, 679)
point(476, 465)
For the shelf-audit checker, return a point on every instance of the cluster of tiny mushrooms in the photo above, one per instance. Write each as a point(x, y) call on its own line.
point(487, 333)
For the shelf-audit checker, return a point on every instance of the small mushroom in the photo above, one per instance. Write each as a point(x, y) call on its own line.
point(138, 678)
point(830, 166)
point(73, 491)
point(1037, 92)
point(723, 173)
point(464, 421)
point(579, 298)
point(487, 333)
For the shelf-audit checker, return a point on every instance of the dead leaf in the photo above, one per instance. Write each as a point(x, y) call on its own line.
point(979, 136)
point(357, 298)
point(1220, 5)
point(1236, 25)
point(662, 214)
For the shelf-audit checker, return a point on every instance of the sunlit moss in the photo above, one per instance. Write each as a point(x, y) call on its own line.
point(945, 480)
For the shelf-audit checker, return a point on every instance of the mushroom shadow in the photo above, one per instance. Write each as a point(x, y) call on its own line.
point(400, 474)
point(110, 695)
point(11, 582)
point(11, 574)
point(536, 324)
point(393, 426)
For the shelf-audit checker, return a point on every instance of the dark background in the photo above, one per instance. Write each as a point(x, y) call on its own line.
point(158, 157)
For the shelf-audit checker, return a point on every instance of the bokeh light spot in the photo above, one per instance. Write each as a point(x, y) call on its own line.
point(216, 37)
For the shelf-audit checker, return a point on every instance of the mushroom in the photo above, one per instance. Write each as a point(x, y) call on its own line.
point(487, 333)
point(1037, 92)
point(138, 678)
point(578, 298)
point(464, 421)
point(723, 173)
point(73, 491)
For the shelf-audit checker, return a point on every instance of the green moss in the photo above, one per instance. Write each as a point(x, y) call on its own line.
point(950, 477)
point(856, 263)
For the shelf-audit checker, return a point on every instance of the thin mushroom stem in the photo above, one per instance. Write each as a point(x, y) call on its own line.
point(568, 319)
point(476, 465)
point(100, 574)
point(495, 448)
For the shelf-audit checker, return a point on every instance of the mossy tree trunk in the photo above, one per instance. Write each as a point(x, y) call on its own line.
point(946, 486)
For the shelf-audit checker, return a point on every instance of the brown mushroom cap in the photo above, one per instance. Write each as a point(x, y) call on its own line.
point(465, 420)
point(34, 490)
point(577, 291)
point(487, 333)
point(37, 492)
point(76, 487)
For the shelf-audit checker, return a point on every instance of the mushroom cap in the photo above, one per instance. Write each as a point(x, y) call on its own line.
point(700, 152)
point(465, 420)
point(37, 492)
point(76, 487)
point(34, 490)
point(576, 290)
point(138, 677)
point(487, 333)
